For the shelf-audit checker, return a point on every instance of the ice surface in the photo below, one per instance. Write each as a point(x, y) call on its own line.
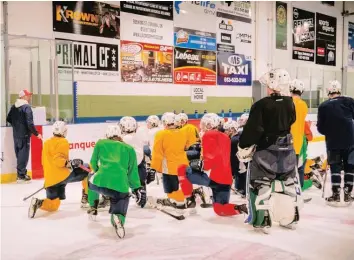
point(323, 232)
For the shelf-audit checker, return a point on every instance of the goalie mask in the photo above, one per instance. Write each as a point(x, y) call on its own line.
point(277, 80)
point(128, 124)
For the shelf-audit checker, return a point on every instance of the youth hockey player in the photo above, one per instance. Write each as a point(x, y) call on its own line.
point(57, 172)
point(335, 122)
point(238, 169)
point(266, 140)
point(242, 121)
point(167, 154)
point(216, 148)
point(297, 87)
point(115, 171)
point(190, 130)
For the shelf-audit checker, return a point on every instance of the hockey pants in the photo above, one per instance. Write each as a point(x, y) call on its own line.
point(221, 192)
point(341, 160)
point(119, 200)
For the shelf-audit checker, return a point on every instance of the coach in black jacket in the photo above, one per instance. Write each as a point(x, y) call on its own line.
point(21, 119)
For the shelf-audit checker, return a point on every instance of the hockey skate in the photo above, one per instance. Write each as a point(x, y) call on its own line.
point(118, 225)
point(334, 200)
point(104, 202)
point(84, 200)
point(34, 206)
point(24, 179)
point(200, 192)
point(266, 224)
point(92, 211)
point(348, 199)
point(242, 208)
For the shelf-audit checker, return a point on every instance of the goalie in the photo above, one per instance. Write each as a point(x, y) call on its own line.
point(273, 184)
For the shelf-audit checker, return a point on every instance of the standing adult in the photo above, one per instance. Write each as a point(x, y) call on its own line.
point(335, 122)
point(21, 119)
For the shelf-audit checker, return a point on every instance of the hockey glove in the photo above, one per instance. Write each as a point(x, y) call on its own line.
point(68, 164)
point(242, 168)
point(151, 174)
point(140, 196)
point(197, 165)
point(245, 155)
point(76, 163)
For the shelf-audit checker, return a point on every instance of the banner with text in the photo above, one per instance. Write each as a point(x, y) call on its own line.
point(326, 39)
point(351, 44)
point(146, 62)
point(87, 18)
point(193, 39)
point(234, 69)
point(195, 67)
point(198, 95)
point(303, 35)
point(157, 9)
point(238, 8)
point(92, 61)
point(140, 28)
point(281, 25)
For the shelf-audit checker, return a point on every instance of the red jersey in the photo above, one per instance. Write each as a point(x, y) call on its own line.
point(216, 149)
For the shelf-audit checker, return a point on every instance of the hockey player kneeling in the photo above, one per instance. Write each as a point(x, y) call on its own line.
point(216, 158)
point(115, 171)
point(58, 172)
point(266, 140)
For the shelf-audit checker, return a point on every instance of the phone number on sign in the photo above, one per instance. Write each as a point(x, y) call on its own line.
point(235, 80)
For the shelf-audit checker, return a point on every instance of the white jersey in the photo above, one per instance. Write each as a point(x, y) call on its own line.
point(137, 141)
point(151, 135)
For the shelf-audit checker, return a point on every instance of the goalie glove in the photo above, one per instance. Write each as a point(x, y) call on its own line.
point(76, 163)
point(245, 155)
point(197, 165)
point(140, 196)
point(150, 176)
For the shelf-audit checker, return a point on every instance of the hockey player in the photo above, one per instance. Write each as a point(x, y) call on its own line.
point(115, 171)
point(216, 148)
point(167, 154)
point(335, 122)
point(190, 130)
point(57, 172)
point(242, 121)
point(238, 168)
point(297, 87)
point(221, 121)
point(266, 140)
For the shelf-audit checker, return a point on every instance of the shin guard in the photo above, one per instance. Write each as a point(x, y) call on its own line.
point(186, 185)
point(50, 205)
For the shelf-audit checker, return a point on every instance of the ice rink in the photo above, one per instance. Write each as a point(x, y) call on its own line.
point(323, 232)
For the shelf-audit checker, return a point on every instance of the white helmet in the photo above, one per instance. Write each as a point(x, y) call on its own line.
point(153, 120)
point(209, 121)
point(60, 128)
point(221, 121)
point(297, 85)
point(231, 125)
point(128, 124)
point(334, 87)
point(113, 131)
point(243, 119)
point(168, 119)
point(276, 79)
point(183, 116)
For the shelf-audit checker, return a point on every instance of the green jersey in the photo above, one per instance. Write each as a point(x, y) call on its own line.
point(115, 166)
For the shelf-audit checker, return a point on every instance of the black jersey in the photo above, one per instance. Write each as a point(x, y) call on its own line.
point(269, 118)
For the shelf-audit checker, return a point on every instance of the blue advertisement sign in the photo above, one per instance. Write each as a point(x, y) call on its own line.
point(234, 69)
point(193, 39)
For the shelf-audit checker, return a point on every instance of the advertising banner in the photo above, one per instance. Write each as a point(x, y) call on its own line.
point(91, 60)
point(193, 39)
point(239, 8)
point(195, 15)
point(194, 67)
point(157, 9)
point(146, 29)
point(351, 44)
point(145, 62)
point(326, 39)
point(234, 69)
point(87, 18)
point(198, 95)
point(281, 25)
point(303, 35)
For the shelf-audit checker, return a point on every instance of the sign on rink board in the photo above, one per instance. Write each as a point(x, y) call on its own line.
point(198, 95)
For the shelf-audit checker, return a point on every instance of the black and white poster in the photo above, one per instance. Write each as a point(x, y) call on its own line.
point(326, 40)
point(87, 18)
point(157, 9)
point(303, 35)
point(90, 60)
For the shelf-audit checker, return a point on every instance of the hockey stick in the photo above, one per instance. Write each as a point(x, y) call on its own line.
point(34, 193)
point(324, 184)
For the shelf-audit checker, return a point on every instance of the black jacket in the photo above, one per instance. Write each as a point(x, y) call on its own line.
point(21, 119)
point(269, 118)
point(235, 163)
point(335, 121)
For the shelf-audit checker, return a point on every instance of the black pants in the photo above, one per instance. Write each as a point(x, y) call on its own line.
point(22, 151)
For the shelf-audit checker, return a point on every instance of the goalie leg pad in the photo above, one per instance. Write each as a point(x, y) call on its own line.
point(259, 196)
point(186, 185)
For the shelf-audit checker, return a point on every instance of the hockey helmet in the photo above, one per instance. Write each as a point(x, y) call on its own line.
point(60, 128)
point(243, 119)
point(209, 121)
point(276, 79)
point(113, 131)
point(128, 124)
point(231, 125)
point(153, 121)
point(168, 119)
point(334, 87)
point(297, 85)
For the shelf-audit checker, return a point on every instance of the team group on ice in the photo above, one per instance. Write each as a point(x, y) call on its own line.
point(263, 153)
